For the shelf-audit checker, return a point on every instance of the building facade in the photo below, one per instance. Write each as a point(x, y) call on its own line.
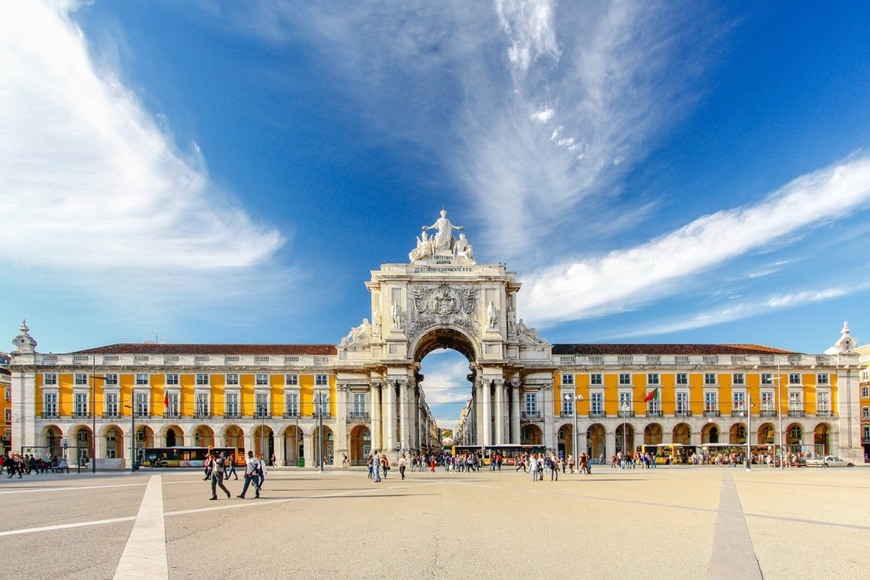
point(301, 402)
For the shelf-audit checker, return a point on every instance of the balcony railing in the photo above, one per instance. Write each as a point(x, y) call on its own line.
point(656, 413)
point(51, 415)
point(683, 414)
point(566, 414)
point(232, 415)
point(625, 414)
point(712, 413)
point(291, 414)
point(531, 415)
point(358, 416)
point(768, 413)
point(111, 415)
point(597, 414)
point(201, 415)
point(797, 413)
point(262, 415)
point(171, 415)
point(81, 415)
point(824, 413)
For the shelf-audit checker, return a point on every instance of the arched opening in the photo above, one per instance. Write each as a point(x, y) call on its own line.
point(737, 434)
point(682, 434)
point(203, 436)
point(794, 435)
point(264, 442)
point(821, 438)
point(710, 433)
point(234, 437)
point(114, 443)
point(530, 434)
point(565, 441)
point(84, 444)
point(652, 434)
point(360, 445)
point(174, 436)
point(766, 434)
point(595, 441)
point(54, 441)
point(443, 399)
point(625, 438)
point(293, 446)
point(324, 438)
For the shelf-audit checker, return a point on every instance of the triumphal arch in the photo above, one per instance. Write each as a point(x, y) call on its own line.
point(442, 299)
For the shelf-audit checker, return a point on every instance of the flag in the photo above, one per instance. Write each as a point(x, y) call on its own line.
point(166, 399)
point(652, 396)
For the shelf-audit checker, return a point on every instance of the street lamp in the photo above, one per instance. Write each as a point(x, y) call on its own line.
point(132, 436)
point(625, 409)
point(575, 399)
point(319, 410)
point(94, 377)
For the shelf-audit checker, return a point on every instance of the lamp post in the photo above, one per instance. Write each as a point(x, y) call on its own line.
point(575, 399)
point(262, 411)
point(319, 455)
point(748, 433)
point(132, 408)
point(625, 408)
point(94, 377)
point(778, 380)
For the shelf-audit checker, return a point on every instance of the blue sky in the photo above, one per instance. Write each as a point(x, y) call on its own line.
point(215, 172)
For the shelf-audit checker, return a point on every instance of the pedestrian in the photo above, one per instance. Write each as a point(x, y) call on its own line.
point(402, 463)
point(385, 464)
point(376, 464)
point(370, 464)
point(231, 467)
point(533, 466)
point(344, 462)
point(252, 468)
point(262, 472)
point(217, 475)
point(207, 467)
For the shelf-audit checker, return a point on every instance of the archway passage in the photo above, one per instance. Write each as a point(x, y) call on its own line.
point(820, 438)
point(294, 449)
point(682, 434)
point(652, 434)
point(595, 441)
point(360, 445)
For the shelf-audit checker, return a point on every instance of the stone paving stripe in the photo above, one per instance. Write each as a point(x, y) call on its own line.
point(65, 526)
point(733, 554)
point(84, 487)
point(145, 553)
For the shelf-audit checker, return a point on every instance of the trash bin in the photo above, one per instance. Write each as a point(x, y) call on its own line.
point(301, 462)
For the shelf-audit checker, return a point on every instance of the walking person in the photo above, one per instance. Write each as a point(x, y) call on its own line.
point(403, 462)
point(261, 473)
point(231, 467)
point(252, 469)
point(217, 475)
point(376, 464)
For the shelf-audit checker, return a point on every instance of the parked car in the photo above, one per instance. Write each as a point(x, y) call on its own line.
point(828, 461)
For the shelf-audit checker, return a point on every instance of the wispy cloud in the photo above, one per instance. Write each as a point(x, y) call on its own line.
point(625, 279)
point(93, 183)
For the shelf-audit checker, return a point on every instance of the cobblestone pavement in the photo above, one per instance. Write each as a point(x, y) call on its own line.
point(680, 522)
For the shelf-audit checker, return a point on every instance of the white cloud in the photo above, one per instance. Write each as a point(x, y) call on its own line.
point(624, 279)
point(92, 181)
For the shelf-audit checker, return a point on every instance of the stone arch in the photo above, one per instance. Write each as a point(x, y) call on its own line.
point(737, 434)
point(325, 438)
point(766, 434)
point(203, 436)
point(294, 447)
point(821, 438)
point(710, 433)
point(531, 434)
point(233, 436)
point(596, 442)
point(264, 441)
point(82, 439)
point(652, 434)
point(115, 441)
point(172, 435)
point(53, 436)
point(444, 337)
point(564, 440)
point(794, 436)
point(625, 437)
point(360, 445)
point(682, 434)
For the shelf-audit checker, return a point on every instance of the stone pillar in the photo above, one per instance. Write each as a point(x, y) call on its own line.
point(515, 435)
point(340, 440)
point(376, 414)
point(609, 444)
point(310, 442)
point(487, 414)
point(389, 443)
point(404, 415)
point(413, 416)
point(500, 413)
point(549, 439)
point(279, 449)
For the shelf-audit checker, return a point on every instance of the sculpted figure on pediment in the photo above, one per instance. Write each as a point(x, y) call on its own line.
point(443, 240)
point(358, 335)
point(527, 335)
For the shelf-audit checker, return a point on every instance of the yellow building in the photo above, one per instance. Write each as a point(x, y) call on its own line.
point(864, 353)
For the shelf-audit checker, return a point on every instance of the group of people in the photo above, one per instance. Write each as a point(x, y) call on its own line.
point(620, 460)
point(219, 467)
point(26, 464)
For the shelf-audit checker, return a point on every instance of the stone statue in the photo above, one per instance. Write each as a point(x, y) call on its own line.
point(423, 250)
point(358, 334)
point(463, 249)
point(443, 240)
point(527, 335)
point(491, 320)
point(396, 313)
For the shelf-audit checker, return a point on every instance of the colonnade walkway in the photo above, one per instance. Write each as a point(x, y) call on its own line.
point(676, 522)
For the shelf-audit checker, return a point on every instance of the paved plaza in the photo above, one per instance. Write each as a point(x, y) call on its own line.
point(680, 522)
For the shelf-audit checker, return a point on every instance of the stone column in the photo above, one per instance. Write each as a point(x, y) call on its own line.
point(500, 412)
point(609, 444)
point(403, 414)
point(549, 434)
point(389, 408)
point(515, 435)
point(279, 449)
point(487, 414)
point(342, 404)
point(376, 411)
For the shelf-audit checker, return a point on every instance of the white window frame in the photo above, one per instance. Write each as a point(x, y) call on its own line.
point(80, 404)
point(143, 379)
point(49, 379)
point(625, 379)
point(530, 403)
point(682, 379)
point(596, 402)
point(173, 379)
point(291, 380)
point(232, 408)
point(596, 379)
point(711, 401)
point(261, 379)
point(682, 402)
point(794, 378)
point(738, 379)
point(202, 380)
point(767, 401)
point(111, 405)
point(567, 379)
point(710, 379)
point(291, 404)
point(80, 379)
point(321, 380)
point(49, 403)
point(232, 379)
point(823, 379)
point(653, 379)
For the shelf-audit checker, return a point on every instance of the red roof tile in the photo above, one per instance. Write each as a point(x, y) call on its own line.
point(215, 349)
point(667, 349)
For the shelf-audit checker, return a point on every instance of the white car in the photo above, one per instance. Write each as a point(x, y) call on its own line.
point(829, 461)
